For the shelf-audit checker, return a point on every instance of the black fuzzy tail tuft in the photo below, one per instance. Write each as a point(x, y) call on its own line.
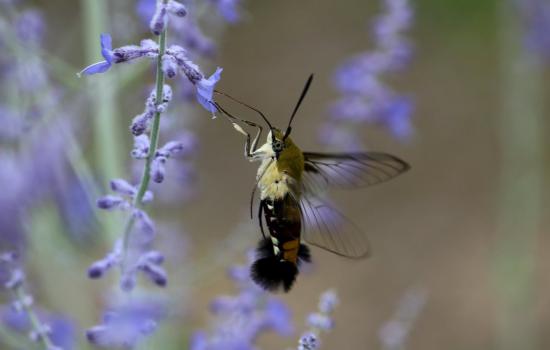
point(271, 272)
point(304, 254)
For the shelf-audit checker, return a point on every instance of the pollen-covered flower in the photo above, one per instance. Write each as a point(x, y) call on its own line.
point(122, 54)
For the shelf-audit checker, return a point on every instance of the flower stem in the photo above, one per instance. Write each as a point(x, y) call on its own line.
point(519, 201)
point(146, 177)
point(106, 129)
point(37, 326)
point(153, 145)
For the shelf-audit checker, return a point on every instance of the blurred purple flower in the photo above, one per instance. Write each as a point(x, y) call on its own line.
point(393, 334)
point(125, 325)
point(318, 322)
point(187, 32)
point(242, 318)
point(76, 208)
point(308, 341)
point(30, 26)
point(52, 331)
point(536, 18)
point(365, 98)
point(228, 9)
point(160, 18)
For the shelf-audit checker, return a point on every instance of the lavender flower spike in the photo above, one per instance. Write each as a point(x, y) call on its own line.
point(160, 18)
point(120, 54)
point(177, 8)
point(106, 52)
point(319, 321)
point(205, 90)
point(308, 341)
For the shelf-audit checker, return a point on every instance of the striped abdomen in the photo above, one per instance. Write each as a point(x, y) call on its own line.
point(280, 253)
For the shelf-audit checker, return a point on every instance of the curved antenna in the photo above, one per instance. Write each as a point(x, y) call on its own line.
point(304, 92)
point(246, 105)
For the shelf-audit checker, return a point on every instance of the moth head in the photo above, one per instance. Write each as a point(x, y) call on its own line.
point(277, 141)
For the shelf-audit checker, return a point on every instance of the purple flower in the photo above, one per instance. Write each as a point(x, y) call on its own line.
point(243, 317)
point(122, 54)
point(319, 321)
point(228, 9)
point(169, 66)
point(160, 18)
point(127, 324)
point(393, 334)
point(328, 301)
point(158, 169)
point(308, 341)
point(100, 267)
point(112, 202)
point(20, 313)
point(141, 147)
point(30, 26)
point(366, 99)
point(176, 8)
point(205, 90)
point(106, 52)
point(186, 32)
point(536, 17)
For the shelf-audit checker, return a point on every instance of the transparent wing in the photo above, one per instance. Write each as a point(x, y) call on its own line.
point(349, 170)
point(328, 229)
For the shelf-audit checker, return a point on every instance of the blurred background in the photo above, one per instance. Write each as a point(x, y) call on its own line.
point(458, 243)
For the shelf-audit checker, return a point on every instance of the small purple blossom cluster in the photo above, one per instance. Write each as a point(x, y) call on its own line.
point(365, 97)
point(319, 321)
point(228, 9)
point(189, 32)
point(242, 318)
point(13, 278)
point(125, 325)
point(173, 60)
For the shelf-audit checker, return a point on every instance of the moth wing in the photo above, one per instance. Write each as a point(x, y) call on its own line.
point(327, 228)
point(349, 170)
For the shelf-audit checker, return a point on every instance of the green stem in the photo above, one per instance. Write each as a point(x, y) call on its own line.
point(15, 340)
point(519, 207)
point(37, 326)
point(106, 128)
point(146, 177)
point(153, 144)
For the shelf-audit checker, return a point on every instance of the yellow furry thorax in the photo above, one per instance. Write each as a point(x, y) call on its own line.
point(285, 173)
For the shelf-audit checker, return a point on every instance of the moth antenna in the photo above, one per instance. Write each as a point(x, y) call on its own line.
point(248, 106)
point(304, 92)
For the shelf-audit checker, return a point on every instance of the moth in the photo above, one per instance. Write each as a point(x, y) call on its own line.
point(291, 210)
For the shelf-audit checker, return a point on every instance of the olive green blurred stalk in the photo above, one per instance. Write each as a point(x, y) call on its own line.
point(519, 203)
point(103, 96)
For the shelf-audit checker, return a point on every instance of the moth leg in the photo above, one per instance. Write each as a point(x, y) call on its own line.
point(249, 147)
point(260, 212)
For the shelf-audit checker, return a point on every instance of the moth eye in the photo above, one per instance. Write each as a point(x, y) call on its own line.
point(277, 146)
